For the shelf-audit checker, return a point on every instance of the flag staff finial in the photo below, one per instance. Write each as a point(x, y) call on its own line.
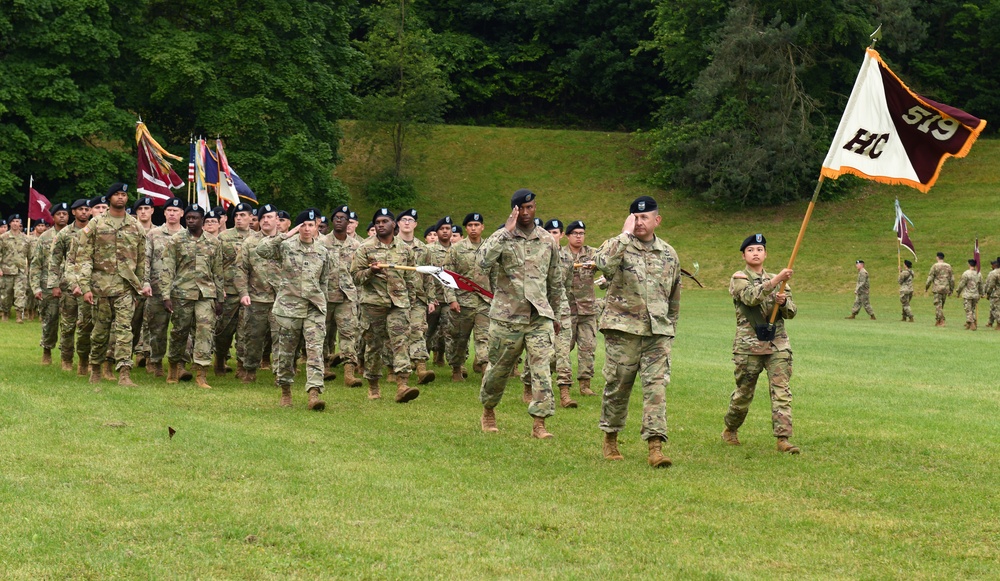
point(875, 36)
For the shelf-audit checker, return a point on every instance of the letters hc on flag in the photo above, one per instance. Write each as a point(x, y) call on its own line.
point(892, 135)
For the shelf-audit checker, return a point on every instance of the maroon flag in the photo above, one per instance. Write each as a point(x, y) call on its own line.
point(154, 175)
point(902, 232)
point(975, 254)
point(39, 206)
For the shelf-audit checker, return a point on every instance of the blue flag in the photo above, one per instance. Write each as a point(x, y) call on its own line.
point(242, 188)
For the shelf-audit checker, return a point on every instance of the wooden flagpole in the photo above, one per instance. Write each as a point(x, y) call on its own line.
point(798, 243)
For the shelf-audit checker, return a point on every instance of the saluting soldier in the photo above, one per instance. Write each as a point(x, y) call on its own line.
point(861, 292)
point(471, 310)
point(970, 287)
point(112, 251)
point(39, 283)
point(906, 290)
point(72, 309)
point(424, 287)
point(157, 317)
point(582, 301)
point(638, 322)
point(13, 268)
point(992, 290)
point(522, 314)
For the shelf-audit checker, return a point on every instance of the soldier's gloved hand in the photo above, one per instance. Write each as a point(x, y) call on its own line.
point(245, 301)
point(454, 306)
point(88, 298)
point(169, 305)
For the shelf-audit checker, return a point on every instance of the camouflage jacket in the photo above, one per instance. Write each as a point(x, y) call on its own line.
point(191, 268)
point(906, 281)
point(13, 253)
point(256, 276)
point(462, 260)
point(753, 305)
point(971, 284)
point(528, 277)
point(992, 288)
point(229, 247)
point(156, 243)
point(862, 288)
point(305, 273)
point(425, 286)
point(62, 269)
point(579, 281)
point(390, 287)
point(340, 288)
point(940, 280)
point(644, 295)
point(39, 269)
point(435, 255)
point(29, 252)
point(111, 256)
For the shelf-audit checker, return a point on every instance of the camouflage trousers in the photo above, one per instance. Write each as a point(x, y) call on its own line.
point(970, 310)
point(138, 329)
point(862, 300)
point(560, 364)
point(75, 324)
point(192, 317)
point(904, 299)
point(939, 299)
point(12, 291)
point(157, 319)
point(113, 315)
point(30, 303)
point(225, 327)
point(584, 338)
point(994, 310)
point(779, 373)
point(628, 355)
point(439, 324)
point(507, 340)
point(470, 322)
point(258, 325)
point(48, 308)
point(288, 330)
point(381, 326)
point(418, 327)
point(342, 325)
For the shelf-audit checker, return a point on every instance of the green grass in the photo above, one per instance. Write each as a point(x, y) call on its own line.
point(897, 423)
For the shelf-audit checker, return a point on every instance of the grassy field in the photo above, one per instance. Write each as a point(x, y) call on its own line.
point(897, 478)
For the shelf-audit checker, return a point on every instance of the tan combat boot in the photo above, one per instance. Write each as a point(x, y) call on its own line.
point(95, 373)
point(610, 447)
point(939, 323)
point(656, 458)
point(456, 374)
point(439, 358)
point(373, 390)
point(67, 364)
point(336, 359)
point(156, 369)
point(286, 396)
point(315, 403)
point(585, 387)
point(220, 365)
point(351, 380)
point(538, 430)
point(478, 366)
point(489, 421)
point(526, 396)
point(141, 360)
point(174, 372)
point(851, 317)
point(784, 445)
point(20, 318)
point(404, 392)
point(329, 374)
point(873, 317)
point(182, 372)
point(967, 325)
point(564, 399)
point(84, 366)
point(390, 376)
point(265, 362)
point(240, 370)
point(125, 377)
point(201, 376)
point(972, 326)
point(46, 357)
point(730, 437)
point(108, 371)
point(424, 375)
point(249, 376)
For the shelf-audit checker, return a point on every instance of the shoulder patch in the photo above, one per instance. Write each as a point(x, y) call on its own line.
point(740, 274)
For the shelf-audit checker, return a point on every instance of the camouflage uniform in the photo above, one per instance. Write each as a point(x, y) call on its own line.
point(74, 312)
point(157, 317)
point(438, 322)
point(971, 288)
point(300, 305)
point(941, 282)
point(191, 278)
point(584, 308)
point(255, 278)
point(528, 283)
point(30, 304)
point(474, 318)
point(754, 303)
point(14, 264)
point(906, 291)
point(342, 301)
point(385, 301)
point(640, 314)
point(226, 327)
point(992, 290)
point(861, 292)
point(112, 265)
point(425, 287)
point(38, 281)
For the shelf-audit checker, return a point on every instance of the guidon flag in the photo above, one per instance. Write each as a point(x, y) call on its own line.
point(892, 135)
point(902, 232)
point(154, 176)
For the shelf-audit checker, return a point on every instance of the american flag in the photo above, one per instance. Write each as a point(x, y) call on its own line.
point(191, 162)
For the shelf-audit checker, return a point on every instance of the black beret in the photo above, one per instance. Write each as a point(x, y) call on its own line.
point(382, 213)
point(940, 255)
point(538, 222)
point(3, 222)
point(997, 260)
point(324, 220)
point(410, 212)
point(473, 217)
point(143, 201)
point(752, 240)
point(221, 211)
point(194, 209)
point(253, 212)
point(174, 203)
point(117, 187)
point(456, 229)
point(283, 215)
point(521, 196)
point(642, 204)
point(243, 207)
point(13, 217)
point(859, 261)
point(446, 221)
point(428, 231)
point(129, 210)
point(972, 262)
point(908, 263)
point(553, 225)
point(306, 215)
point(575, 225)
point(60, 207)
point(266, 209)
point(353, 216)
point(211, 214)
point(97, 200)
point(342, 210)
point(81, 203)
point(370, 226)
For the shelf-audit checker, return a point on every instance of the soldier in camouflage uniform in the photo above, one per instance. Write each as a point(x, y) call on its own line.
point(13, 269)
point(342, 300)
point(39, 283)
point(229, 246)
point(638, 323)
point(192, 291)
point(438, 320)
point(471, 310)
point(424, 287)
point(143, 212)
point(582, 301)
point(527, 290)
point(941, 282)
point(111, 254)
point(970, 287)
point(861, 292)
point(906, 290)
point(255, 279)
point(386, 295)
point(754, 293)
point(30, 302)
point(61, 280)
point(992, 291)
point(157, 317)
point(300, 304)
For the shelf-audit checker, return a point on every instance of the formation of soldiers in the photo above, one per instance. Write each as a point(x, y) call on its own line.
point(114, 291)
